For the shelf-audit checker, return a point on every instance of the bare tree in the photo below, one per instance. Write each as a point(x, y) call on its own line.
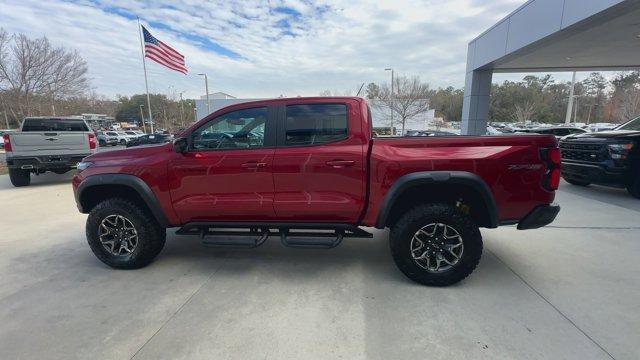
point(629, 106)
point(524, 111)
point(34, 73)
point(410, 98)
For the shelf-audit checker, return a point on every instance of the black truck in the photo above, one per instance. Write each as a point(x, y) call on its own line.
point(610, 158)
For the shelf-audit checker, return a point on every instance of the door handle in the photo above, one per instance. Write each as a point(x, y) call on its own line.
point(340, 163)
point(254, 165)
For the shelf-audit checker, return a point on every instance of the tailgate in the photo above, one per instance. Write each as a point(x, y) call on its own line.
point(49, 143)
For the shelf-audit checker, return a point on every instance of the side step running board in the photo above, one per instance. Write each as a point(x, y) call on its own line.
point(251, 234)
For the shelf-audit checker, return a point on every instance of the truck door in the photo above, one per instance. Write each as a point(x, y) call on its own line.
point(319, 164)
point(226, 174)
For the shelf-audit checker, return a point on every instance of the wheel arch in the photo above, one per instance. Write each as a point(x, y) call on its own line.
point(96, 188)
point(439, 186)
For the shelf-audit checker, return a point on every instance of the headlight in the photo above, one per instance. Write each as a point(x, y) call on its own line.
point(621, 147)
point(83, 165)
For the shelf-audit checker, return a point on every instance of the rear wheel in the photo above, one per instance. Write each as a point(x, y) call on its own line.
point(436, 244)
point(102, 143)
point(19, 177)
point(577, 182)
point(123, 235)
point(123, 142)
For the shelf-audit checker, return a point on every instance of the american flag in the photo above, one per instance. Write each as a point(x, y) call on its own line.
point(162, 53)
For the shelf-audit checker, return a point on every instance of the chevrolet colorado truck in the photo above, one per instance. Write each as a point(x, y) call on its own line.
point(46, 144)
point(310, 172)
point(610, 158)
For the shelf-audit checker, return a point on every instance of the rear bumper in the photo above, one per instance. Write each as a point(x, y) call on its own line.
point(47, 162)
point(540, 216)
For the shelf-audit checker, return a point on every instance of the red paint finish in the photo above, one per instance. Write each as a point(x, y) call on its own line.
point(329, 182)
point(222, 185)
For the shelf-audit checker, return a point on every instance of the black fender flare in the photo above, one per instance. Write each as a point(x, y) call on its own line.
point(437, 177)
point(131, 181)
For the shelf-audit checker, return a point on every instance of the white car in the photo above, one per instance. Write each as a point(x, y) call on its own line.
point(129, 134)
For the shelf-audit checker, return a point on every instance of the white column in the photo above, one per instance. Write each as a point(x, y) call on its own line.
point(475, 106)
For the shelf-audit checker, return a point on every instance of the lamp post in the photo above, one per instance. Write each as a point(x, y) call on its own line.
point(195, 114)
point(142, 117)
point(206, 88)
point(391, 99)
point(181, 110)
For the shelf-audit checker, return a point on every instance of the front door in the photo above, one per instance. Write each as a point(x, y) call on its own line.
point(227, 172)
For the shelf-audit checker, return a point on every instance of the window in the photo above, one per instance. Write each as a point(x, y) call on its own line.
point(239, 129)
point(630, 125)
point(315, 124)
point(54, 125)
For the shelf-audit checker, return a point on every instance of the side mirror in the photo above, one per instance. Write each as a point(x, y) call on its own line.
point(180, 145)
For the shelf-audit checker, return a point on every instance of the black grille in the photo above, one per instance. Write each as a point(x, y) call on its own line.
point(583, 152)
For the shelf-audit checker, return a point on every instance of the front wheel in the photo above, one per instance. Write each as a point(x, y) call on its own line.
point(123, 235)
point(634, 188)
point(19, 177)
point(436, 244)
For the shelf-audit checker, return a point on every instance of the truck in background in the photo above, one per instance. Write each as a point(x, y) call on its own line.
point(55, 144)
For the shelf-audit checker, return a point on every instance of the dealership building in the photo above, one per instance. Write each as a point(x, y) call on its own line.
point(550, 35)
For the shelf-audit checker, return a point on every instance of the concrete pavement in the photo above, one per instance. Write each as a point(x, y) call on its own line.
point(570, 291)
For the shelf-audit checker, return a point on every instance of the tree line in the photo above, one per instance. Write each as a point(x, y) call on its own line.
point(534, 98)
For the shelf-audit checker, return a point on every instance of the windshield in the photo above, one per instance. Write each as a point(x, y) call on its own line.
point(54, 125)
point(633, 125)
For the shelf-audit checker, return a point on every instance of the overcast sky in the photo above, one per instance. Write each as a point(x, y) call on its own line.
point(263, 49)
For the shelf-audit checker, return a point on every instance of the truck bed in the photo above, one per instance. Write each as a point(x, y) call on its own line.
point(505, 163)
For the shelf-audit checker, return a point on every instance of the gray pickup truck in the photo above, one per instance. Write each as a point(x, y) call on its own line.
point(47, 144)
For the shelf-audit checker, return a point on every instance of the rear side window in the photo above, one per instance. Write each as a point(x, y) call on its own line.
point(54, 125)
point(315, 124)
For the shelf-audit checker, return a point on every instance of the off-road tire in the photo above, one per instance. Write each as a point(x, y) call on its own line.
point(19, 177)
point(151, 236)
point(403, 230)
point(634, 188)
point(577, 182)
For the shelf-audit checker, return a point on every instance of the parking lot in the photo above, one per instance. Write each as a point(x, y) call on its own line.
point(568, 291)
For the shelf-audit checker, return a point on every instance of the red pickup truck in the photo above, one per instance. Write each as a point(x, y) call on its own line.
point(311, 172)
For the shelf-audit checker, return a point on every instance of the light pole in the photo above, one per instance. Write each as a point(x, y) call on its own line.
point(206, 87)
point(391, 100)
point(567, 118)
point(142, 117)
point(181, 110)
point(195, 114)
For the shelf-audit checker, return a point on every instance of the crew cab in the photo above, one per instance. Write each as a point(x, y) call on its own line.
point(309, 172)
point(46, 144)
point(610, 158)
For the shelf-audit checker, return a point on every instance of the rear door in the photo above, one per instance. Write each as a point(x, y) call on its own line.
point(319, 164)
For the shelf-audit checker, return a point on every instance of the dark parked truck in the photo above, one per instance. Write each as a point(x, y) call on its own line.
point(609, 158)
point(309, 171)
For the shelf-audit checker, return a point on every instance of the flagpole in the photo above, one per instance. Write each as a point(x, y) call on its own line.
point(146, 83)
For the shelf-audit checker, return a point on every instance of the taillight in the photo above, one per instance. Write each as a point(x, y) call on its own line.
point(92, 141)
point(7, 142)
point(553, 158)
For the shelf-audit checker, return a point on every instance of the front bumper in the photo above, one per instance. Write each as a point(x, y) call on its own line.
point(540, 216)
point(593, 173)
